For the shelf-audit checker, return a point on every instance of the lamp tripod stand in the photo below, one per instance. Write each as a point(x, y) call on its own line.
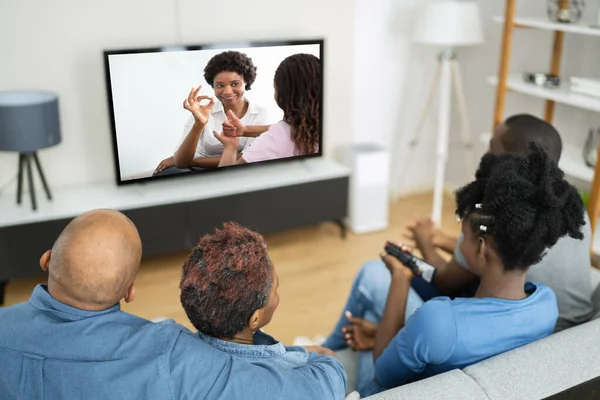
point(25, 161)
point(446, 76)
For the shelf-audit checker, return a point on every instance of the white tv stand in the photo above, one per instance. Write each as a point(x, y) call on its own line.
point(171, 214)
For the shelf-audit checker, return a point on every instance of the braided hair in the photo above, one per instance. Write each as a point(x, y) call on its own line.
point(523, 203)
point(298, 84)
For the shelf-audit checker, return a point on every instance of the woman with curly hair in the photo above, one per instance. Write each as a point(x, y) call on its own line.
point(229, 293)
point(297, 92)
point(230, 74)
point(517, 208)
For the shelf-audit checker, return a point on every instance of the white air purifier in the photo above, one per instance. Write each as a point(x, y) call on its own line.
point(368, 208)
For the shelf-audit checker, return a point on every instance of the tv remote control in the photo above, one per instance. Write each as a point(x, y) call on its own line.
point(415, 264)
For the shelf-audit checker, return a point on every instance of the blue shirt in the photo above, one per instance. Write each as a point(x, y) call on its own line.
point(445, 334)
point(264, 350)
point(49, 350)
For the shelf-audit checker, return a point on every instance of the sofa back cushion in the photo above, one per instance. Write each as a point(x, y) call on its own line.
point(451, 385)
point(543, 368)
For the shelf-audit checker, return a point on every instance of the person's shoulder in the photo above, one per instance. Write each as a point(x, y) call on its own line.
point(437, 312)
point(281, 126)
point(256, 108)
point(21, 313)
point(542, 292)
point(275, 132)
point(431, 331)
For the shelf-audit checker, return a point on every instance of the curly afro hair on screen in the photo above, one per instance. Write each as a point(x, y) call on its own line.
point(231, 61)
point(524, 203)
point(227, 277)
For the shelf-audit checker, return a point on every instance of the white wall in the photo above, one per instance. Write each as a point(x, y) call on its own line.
point(58, 46)
point(391, 82)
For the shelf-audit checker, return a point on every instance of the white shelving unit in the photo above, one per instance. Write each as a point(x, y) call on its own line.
point(541, 23)
point(562, 94)
point(571, 162)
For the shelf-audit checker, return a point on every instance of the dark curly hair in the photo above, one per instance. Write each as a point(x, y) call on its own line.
point(298, 83)
point(230, 61)
point(227, 277)
point(524, 203)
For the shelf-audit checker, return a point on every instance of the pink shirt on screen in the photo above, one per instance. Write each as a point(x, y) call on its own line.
point(276, 142)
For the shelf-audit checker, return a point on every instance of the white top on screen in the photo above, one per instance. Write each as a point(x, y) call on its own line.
point(209, 145)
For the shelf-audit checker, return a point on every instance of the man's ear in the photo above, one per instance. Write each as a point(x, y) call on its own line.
point(254, 321)
point(130, 294)
point(45, 260)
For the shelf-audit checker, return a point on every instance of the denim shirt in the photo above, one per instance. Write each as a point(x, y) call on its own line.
point(264, 350)
point(50, 350)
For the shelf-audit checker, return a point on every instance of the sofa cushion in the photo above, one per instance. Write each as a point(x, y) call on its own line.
point(542, 368)
point(349, 360)
point(451, 385)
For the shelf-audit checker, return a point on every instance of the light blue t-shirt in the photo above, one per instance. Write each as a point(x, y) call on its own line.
point(445, 334)
point(565, 268)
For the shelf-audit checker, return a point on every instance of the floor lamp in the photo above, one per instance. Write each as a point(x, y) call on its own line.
point(446, 25)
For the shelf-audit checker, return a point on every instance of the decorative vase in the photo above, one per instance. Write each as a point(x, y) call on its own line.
point(565, 11)
point(590, 149)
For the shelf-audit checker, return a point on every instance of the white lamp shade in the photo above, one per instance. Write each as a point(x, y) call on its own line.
point(448, 23)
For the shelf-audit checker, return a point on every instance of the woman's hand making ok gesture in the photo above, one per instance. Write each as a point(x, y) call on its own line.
point(193, 104)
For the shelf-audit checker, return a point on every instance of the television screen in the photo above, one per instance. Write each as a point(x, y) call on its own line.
point(179, 110)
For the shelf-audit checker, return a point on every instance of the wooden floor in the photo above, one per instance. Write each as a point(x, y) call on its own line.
point(315, 266)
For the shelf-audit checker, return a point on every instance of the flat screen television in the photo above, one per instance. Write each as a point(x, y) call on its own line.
point(193, 109)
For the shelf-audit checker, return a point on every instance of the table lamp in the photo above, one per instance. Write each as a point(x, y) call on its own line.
point(29, 121)
point(446, 25)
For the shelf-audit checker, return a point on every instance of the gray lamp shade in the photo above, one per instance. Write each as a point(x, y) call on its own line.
point(29, 121)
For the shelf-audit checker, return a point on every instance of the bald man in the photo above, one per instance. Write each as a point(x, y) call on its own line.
point(72, 341)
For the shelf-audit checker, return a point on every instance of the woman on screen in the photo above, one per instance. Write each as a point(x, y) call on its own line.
point(297, 93)
point(230, 74)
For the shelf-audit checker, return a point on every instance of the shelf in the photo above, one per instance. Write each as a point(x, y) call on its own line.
point(571, 161)
point(71, 201)
point(560, 95)
point(545, 24)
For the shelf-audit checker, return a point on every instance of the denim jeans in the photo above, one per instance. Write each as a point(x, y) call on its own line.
point(367, 300)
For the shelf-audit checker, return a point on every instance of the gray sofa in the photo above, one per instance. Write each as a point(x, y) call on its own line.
point(565, 365)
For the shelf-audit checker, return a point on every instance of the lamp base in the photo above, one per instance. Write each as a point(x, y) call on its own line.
point(25, 162)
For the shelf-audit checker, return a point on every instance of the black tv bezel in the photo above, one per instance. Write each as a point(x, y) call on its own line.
point(211, 46)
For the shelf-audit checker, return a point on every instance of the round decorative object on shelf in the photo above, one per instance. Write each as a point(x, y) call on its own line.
point(590, 149)
point(566, 11)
